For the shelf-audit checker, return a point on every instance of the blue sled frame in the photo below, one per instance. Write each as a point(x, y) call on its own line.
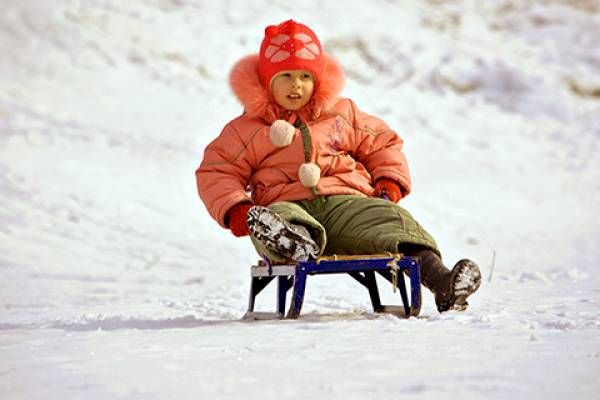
point(390, 266)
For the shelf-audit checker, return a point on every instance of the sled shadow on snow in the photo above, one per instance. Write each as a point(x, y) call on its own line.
point(188, 323)
point(191, 322)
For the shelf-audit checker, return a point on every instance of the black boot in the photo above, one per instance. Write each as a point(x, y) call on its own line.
point(451, 288)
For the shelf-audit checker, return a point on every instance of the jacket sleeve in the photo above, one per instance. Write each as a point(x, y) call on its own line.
point(379, 149)
point(224, 173)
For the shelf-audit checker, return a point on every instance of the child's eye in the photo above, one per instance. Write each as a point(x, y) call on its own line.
point(286, 74)
point(306, 76)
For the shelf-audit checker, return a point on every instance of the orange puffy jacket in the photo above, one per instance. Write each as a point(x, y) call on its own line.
point(352, 149)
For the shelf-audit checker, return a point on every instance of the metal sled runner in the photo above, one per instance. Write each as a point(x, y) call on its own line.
point(390, 266)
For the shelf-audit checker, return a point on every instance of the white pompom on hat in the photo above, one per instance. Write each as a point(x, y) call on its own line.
point(281, 133)
point(309, 174)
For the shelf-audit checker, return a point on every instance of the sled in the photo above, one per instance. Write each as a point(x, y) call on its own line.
point(363, 268)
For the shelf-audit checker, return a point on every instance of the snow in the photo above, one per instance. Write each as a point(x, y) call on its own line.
point(117, 284)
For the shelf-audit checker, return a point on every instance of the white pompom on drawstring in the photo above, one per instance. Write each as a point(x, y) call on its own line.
point(281, 133)
point(309, 174)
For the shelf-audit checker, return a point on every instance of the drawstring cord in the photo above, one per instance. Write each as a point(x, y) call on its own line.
point(306, 141)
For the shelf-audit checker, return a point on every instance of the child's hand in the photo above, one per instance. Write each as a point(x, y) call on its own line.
point(237, 219)
point(387, 188)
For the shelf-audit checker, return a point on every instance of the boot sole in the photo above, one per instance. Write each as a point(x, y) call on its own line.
point(279, 235)
point(466, 279)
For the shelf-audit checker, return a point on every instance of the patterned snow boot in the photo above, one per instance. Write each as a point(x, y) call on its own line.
point(465, 279)
point(451, 288)
point(288, 240)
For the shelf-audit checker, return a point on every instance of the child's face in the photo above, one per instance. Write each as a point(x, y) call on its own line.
point(292, 89)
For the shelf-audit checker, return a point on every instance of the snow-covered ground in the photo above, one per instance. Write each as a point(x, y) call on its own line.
point(115, 283)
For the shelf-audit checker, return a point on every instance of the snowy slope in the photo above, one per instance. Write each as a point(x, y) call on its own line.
point(115, 282)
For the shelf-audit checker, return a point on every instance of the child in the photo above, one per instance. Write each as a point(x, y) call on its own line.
point(324, 177)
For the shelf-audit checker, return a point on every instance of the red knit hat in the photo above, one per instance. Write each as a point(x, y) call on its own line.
point(289, 46)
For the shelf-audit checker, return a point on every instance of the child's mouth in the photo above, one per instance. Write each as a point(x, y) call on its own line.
point(294, 96)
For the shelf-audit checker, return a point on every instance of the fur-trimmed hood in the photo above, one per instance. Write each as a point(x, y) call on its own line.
point(348, 151)
point(249, 90)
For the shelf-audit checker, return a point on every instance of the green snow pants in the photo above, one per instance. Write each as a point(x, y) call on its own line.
point(347, 224)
